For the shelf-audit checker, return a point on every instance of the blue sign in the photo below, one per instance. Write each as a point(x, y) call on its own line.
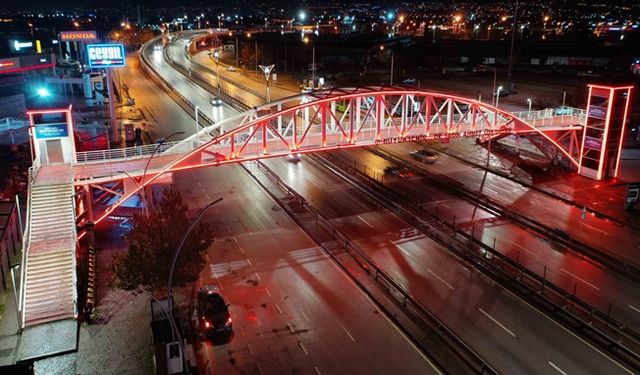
point(109, 55)
point(52, 130)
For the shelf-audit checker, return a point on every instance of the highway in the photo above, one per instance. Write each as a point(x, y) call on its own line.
point(597, 286)
point(293, 309)
point(594, 284)
point(492, 314)
point(511, 335)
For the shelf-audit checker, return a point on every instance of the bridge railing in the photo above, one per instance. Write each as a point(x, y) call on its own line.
point(135, 152)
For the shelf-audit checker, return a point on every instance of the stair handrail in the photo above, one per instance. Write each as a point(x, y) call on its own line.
point(26, 240)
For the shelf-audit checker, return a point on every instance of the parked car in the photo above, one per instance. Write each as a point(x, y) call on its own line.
point(211, 312)
point(231, 68)
point(401, 172)
point(424, 156)
point(215, 101)
point(410, 81)
point(563, 111)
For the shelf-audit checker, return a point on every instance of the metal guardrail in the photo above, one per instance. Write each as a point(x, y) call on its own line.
point(465, 353)
point(518, 279)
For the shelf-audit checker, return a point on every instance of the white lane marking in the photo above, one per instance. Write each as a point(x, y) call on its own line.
point(556, 368)
point(348, 334)
point(521, 247)
point(259, 369)
point(290, 327)
point(577, 337)
point(208, 197)
point(439, 278)
point(497, 322)
point(234, 239)
point(268, 292)
point(257, 277)
point(366, 222)
point(204, 191)
point(278, 308)
point(303, 348)
point(248, 261)
point(305, 316)
point(241, 249)
point(579, 278)
point(317, 370)
point(594, 228)
point(634, 308)
point(250, 349)
point(367, 298)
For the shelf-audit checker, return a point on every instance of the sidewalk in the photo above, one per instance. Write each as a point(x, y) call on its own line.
point(119, 340)
point(9, 336)
point(604, 198)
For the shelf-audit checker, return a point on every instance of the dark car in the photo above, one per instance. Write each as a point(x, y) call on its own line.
point(398, 171)
point(211, 311)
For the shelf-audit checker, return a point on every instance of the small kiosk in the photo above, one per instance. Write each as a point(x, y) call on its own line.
point(51, 133)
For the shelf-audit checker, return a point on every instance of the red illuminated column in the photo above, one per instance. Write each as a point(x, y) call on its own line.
point(607, 115)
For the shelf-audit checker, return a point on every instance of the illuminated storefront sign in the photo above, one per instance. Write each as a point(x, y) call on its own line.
point(79, 36)
point(106, 55)
point(51, 131)
point(18, 45)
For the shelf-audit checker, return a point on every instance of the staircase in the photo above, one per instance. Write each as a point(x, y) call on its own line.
point(49, 292)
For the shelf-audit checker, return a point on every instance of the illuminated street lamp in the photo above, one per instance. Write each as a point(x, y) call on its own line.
point(43, 92)
point(313, 60)
point(529, 112)
point(216, 58)
point(498, 96)
point(476, 28)
point(173, 266)
point(267, 70)
point(391, 70)
point(140, 183)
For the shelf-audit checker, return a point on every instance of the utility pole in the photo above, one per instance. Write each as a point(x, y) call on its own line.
point(513, 38)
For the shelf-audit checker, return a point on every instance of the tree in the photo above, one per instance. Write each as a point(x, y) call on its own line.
point(154, 240)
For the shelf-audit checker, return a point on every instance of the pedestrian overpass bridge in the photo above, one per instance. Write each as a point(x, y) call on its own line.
point(306, 123)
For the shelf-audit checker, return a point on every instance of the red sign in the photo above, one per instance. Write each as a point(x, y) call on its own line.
point(81, 36)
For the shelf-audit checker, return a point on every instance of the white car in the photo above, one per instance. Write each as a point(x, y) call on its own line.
point(231, 68)
point(294, 157)
point(424, 156)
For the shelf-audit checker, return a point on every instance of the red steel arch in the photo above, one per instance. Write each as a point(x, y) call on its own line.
point(335, 119)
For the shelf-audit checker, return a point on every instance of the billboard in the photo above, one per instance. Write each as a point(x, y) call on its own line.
point(58, 130)
point(108, 55)
point(78, 36)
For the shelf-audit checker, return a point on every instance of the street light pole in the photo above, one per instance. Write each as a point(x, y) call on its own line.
point(175, 258)
point(495, 76)
point(393, 54)
point(197, 128)
point(267, 69)
point(498, 96)
point(313, 63)
point(145, 208)
point(513, 37)
point(529, 112)
point(159, 143)
point(216, 58)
